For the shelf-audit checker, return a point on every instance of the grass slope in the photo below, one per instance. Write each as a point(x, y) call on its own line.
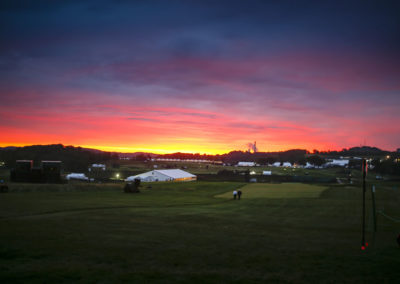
point(180, 233)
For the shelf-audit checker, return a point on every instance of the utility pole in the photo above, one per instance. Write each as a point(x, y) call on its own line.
point(364, 174)
point(373, 207)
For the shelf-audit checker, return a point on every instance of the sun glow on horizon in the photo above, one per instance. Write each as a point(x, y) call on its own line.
point(169, 149)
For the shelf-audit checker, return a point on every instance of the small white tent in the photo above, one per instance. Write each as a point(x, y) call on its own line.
point(337, 163)
point(78, 176)
point(163, 175)
point(99, 166)
point(246, 164)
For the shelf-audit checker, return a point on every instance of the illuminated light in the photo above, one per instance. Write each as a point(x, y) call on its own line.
point(387, 157)
point(366, 244)
point(363, 247)
point(117, 175)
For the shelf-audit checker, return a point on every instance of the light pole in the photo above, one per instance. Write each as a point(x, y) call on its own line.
point(364, 174)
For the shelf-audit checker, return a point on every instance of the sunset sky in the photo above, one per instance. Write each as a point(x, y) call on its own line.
point(200, 76)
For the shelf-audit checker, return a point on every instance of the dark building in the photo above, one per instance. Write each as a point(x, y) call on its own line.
point(49, 171)
point(24, 165)
point(22, 171)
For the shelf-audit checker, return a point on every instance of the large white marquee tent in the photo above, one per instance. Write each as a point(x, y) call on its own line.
point(163, 175)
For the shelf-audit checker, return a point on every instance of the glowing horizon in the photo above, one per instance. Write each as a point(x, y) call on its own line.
point(127, 149)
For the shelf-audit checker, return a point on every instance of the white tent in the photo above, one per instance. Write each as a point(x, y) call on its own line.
point(338, 163)
point(163, 175)
point(246, 164)
point(99, 166)
point(78, 176)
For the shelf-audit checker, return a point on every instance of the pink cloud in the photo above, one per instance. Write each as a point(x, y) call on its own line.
point(292, 100)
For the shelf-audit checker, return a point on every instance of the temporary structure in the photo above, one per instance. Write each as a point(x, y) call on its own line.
point(163, 175)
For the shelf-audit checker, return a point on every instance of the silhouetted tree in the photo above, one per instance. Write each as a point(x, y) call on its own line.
point(355, 164)
point(387, 166)
point(262, 161)
point(302, 162)
point(316, 160)
point(271, 160)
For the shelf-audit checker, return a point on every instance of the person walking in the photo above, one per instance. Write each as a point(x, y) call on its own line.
point(239, 194)
point(234, 194)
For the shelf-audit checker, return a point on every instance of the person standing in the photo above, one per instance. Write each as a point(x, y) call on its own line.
point(239, 194)
point(234, 194)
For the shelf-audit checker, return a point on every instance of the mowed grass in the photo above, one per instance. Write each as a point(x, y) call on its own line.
point(182, 233)
point(281, 190)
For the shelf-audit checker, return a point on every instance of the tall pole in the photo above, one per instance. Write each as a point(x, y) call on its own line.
point(373, 207)
point(364, 172)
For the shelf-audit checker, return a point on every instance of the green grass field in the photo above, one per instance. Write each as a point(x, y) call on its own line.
point(281, 190)
point(187, 233)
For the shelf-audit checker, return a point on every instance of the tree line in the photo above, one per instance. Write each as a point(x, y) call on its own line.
point(78, 159)
point(73, 158)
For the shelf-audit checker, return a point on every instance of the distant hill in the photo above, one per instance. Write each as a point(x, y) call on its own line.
point(8, 148)
point(78, 158)
point(366, 149)
point(363, 151)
